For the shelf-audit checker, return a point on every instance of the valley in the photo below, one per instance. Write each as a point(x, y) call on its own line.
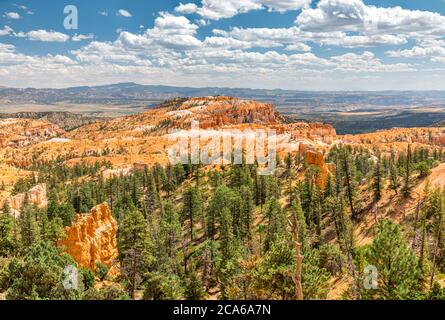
point(104, 192)
point(348, 111)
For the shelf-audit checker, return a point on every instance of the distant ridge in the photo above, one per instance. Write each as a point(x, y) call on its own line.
point(65, 120)
point(132, 93)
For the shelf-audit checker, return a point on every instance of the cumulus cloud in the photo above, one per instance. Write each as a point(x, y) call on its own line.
point(216, 9)
point(6, 31)
point(354, 15)
point(298, 47)
point(172, 51)
point(285, 5)
point(187, 8)
point(123, 13)
point(81, 37)
point(47, 36)
point(435, 53)
point(12, 15)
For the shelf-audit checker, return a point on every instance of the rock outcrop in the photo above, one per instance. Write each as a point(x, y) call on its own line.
point(92, 238)
point(19, 133)
point(314, 158)
point(36, 195)
point(215, 112)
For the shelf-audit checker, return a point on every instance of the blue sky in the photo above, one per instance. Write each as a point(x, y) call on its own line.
point(290, 44)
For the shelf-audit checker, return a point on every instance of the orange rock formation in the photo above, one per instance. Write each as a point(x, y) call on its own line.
point(36, 195)
point(92, 238)
point(17, 133)
point(314, 158)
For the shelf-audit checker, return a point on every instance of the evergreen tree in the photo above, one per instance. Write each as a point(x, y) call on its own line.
point(170, 232)
point(377, 183)
point(393, 174)
point(40, 276)
point(8, 243)
point(247, 212)
point(152, 197)
point(398, 271)
point(406, 190)
point(223, 198)
point(192, 207)
point(277, 222)
point(347, 168)
point(134, 249)
point(29, 229)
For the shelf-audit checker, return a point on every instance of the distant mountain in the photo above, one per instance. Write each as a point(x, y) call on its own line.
point(133, 93)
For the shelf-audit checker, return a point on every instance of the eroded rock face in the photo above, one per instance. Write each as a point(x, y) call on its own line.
point(19, 133)
point(92, 238)
point(36, 195)
point(315, 158)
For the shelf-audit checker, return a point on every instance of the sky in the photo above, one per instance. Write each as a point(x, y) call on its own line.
point(287, 44)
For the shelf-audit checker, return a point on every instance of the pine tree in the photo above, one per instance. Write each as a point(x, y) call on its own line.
point(347, 168)
point(134, 249)
point(152, 197)
point(329, 187)
point(406, 191)
point(247, 211)
point(436, 210)
point(170, 180)
point(29, 229)
point(397, 265)
point(277, 222)
point(170, 230)
point(393, 174)
point(298, 247)
point(377, 183)
point(224, 197)
point(6, 208)
point(40, 274)
point(192, 207)
point(8, 243)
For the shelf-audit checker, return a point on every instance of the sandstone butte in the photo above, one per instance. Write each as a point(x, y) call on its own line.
point(92, 238)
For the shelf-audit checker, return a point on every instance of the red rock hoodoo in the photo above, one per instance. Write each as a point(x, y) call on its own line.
point(92, 238)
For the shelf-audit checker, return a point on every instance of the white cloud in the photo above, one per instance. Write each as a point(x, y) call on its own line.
point(434, 53)
point(47, 36)
point(298, 47)
point(12, 15)
point(285, 5)
point(103, 13)
point(172, 51)
point(187, 8)
point(201, 22)
point(5, 31)
point(354, 15)
point(123, 13)
point(217, 9)
point(366, 62)
point(80, 37)
point(24, 8)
